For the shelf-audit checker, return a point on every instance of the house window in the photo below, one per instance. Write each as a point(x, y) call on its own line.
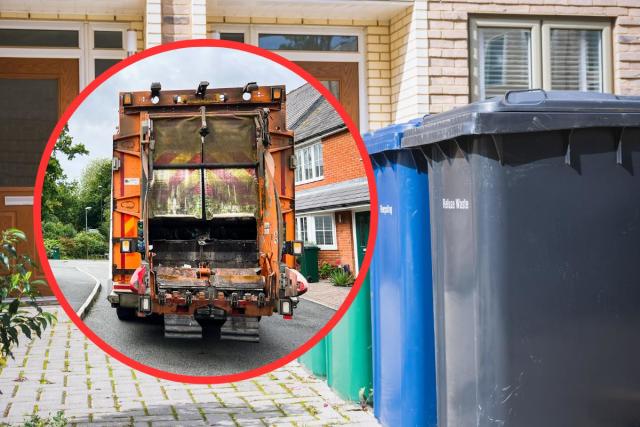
point(107, 39)
point(107, 47)
point(308, 42)
point(32, 37)
point(549, 54)
point(310, 165)
point(317, 229)
point(233, 37)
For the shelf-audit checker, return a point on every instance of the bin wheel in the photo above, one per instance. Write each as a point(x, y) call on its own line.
point(125, 313)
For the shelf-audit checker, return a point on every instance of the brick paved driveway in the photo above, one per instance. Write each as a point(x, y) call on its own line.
point(65, 371)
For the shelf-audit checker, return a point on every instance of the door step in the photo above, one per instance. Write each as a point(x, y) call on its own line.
point(238, 328)
point(181, 326)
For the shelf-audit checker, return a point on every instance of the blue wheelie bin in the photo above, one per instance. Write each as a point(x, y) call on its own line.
point(401, 292)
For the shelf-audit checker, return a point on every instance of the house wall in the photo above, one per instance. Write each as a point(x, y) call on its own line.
point(377, 57)
point(448, 32)
point(136, 22)
point(344, 236)
point(342, 161)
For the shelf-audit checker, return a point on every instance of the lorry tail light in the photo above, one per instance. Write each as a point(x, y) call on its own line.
point(294, 247)
point(286, 307)
point(145, 304)
point(276, 93)
point(127, 99)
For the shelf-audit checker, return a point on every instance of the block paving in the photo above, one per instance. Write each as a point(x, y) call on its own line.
point(65, 371)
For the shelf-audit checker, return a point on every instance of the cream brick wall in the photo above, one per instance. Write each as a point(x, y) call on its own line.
point(136, 22)
point(448, 23)
point(409, 54)
point(377, 57)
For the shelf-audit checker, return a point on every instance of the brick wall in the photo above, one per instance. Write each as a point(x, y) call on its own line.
point(176, 20)
point(344, 236)
point(342, 161)
point(448, 23)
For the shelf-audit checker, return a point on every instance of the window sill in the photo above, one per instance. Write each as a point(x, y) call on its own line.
point(328, 247)
point(310, 180)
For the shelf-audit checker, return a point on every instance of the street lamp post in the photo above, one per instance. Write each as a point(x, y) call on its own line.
point(101, 217)
point(86, 223)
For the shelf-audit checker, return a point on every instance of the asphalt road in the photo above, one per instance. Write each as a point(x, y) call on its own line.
point(143, 339)
point(75, 284)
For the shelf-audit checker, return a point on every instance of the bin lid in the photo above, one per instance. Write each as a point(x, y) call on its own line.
point(389, 137)
point(528, 111)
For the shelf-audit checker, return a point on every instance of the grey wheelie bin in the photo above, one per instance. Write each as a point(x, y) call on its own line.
point(535, 231)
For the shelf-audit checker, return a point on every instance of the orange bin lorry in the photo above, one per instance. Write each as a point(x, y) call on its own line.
point(202, 224)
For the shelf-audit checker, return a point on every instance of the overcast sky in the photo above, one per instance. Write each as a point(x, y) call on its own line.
point(95, 121)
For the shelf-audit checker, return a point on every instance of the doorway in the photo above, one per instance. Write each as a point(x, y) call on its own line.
point(35, 92)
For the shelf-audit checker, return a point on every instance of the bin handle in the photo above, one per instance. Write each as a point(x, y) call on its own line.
point(514, 93)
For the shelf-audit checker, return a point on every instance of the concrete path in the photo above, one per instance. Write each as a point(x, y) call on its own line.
point(143, 340)
point(323, 292)
point(65, 371)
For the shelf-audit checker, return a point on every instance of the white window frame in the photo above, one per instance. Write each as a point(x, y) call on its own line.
point(100, 53)
point(84, 53)
point(251, 33)
point(309, 145)
point(311, 229)
point(540, 48)
point(606, 49)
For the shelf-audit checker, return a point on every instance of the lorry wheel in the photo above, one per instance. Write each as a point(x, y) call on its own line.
point(125, 313)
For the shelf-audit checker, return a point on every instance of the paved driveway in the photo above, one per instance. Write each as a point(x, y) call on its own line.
point(65, 371)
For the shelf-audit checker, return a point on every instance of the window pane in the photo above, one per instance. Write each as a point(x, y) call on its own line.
point(107, 39)
point(25, 127)
point(324, 230)
point(308, 166)
point(333, 86)
point(176, 193)
point(318, 161)
point(298, 167)
point(102, 65)
point(576, 59)
point(504, 60)
point(308, 42)
point(233, 37)
point(38, 38)
point(230, 192)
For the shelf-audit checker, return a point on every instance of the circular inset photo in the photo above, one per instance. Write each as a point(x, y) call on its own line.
point(204, 211)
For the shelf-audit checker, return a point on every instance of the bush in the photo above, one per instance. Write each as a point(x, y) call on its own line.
point(340, 277)
point(15, 282)
point(86, 244)
point(326, 269)
point(55, 230)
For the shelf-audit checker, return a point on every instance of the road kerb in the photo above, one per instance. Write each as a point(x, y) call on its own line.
point(82, 311)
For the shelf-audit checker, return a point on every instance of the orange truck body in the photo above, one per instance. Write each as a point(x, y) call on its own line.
point(203, 217)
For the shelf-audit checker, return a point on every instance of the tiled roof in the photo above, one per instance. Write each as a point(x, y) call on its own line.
point(310, 115)
point(342, 194)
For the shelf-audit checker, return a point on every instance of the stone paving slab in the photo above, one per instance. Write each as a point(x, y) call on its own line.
point(65, 371)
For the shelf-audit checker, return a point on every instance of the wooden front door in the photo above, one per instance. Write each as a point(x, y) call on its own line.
point(34, 93)
point(341, 78)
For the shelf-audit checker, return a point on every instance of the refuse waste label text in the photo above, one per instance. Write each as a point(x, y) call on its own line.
point(462, 204)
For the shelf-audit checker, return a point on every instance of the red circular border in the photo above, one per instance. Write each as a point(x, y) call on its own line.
point(213, 379)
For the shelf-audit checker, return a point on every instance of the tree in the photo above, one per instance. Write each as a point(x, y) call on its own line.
point(95, 191)
point(59, 203)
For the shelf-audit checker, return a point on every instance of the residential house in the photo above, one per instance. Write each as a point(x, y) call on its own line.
point(387, 61)
point(332, 193)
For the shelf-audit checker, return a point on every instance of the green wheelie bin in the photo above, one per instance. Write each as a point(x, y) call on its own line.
point(309, 263)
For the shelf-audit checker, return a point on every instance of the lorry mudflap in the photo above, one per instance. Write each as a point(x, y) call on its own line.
point(181, 326)
point(238, 328)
